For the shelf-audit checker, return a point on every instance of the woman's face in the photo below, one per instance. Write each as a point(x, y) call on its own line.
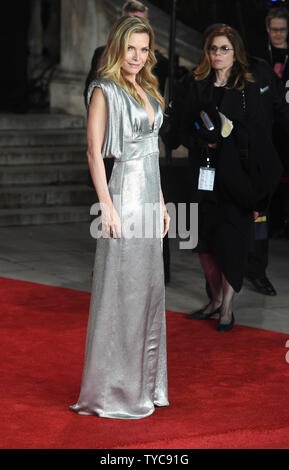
point(221, 53)
point(136, 54)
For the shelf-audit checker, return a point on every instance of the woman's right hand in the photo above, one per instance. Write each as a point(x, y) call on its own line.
point(110, 221)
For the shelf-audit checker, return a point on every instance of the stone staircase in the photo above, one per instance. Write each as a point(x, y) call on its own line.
point(43, 170)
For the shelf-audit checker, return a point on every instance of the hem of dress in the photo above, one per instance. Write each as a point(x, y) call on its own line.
point(160, 404)
point(116, 415)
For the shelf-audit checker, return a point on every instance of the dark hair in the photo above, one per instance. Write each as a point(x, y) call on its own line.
point(133, 6)
point(277, 13)
point(211, 28)
point(240, 70)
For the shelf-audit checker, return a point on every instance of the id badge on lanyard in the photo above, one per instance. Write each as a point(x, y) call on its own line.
point(206, 177)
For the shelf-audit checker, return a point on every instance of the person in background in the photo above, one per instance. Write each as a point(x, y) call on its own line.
point(276, 116)
point(276, 110)
point(276, 53)
point(225, 165)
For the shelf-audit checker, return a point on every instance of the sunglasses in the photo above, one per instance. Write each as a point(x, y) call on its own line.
point(223, 49)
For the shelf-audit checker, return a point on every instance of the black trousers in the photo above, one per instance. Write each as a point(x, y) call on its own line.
point(258, 259)
point(279, 208)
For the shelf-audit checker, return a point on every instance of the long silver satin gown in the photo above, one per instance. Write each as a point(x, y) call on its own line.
point(125, 370)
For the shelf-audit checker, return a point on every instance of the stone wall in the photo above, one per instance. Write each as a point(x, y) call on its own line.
point(85, 25)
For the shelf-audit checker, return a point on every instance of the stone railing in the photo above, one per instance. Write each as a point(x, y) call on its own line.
point(188, 41)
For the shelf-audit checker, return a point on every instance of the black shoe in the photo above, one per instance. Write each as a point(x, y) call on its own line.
point(263, 285)
point(200, 315)
point(226, 326)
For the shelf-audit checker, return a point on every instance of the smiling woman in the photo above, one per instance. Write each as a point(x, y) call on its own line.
point(128, 59)
point(125, 373)
point(135, 59)
point(136, 55)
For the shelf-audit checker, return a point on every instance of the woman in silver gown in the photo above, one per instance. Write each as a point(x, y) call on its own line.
point(125, 371)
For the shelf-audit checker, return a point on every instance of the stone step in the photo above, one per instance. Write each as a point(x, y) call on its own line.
point(43, 137)
point(41, 121)
point(52, 195)
point(42, 155)
point(48, 174)
point(44, 215)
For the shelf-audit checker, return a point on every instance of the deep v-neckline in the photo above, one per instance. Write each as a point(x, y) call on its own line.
point(151, 126)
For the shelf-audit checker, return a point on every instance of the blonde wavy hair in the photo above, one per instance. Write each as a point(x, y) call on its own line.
point(114, 53)
point(240, 70)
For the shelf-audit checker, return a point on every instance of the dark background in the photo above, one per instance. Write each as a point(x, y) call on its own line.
point(14, 21)
point(248, 16)
point(245, 15)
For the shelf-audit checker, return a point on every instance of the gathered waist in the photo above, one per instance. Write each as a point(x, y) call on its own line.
point(137, 150)
point(135, 159)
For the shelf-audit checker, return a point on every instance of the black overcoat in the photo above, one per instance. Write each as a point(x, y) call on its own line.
point(247, 166)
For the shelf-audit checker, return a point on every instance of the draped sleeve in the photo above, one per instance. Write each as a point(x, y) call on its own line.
point(113, 140)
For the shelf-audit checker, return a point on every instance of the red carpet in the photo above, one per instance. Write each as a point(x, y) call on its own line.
point(227, 390)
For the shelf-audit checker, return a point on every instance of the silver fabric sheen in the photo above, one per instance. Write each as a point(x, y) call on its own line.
point(125, 370)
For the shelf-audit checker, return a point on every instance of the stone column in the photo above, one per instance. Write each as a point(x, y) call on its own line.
point(35, 43)
point(84, 26)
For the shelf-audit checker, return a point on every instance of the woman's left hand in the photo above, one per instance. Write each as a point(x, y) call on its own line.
point(166, 221)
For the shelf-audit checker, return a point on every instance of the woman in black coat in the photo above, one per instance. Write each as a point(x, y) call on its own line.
point(237, 154)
